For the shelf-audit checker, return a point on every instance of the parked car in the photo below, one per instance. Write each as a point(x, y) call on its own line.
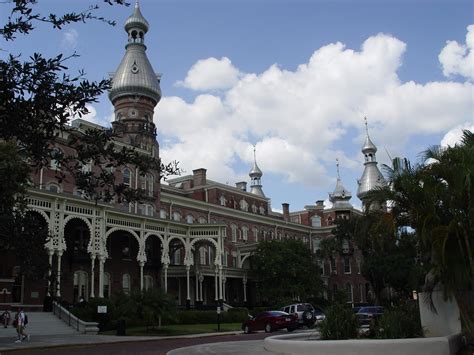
point(305, 312)
point(319, 315)
point(366, 315)
point(270, 321)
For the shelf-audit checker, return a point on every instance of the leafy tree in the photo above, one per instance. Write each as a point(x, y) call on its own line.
point(435, 199)
point(38, 99)
point(286, 270)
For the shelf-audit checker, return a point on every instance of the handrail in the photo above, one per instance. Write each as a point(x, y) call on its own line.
point(70, 319)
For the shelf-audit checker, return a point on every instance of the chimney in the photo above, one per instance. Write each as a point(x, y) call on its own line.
point(241, 185)
point(320, 204)
point(286, 211)
point(199, 177)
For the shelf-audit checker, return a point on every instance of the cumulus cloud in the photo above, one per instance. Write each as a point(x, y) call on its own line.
point(458, 59)
point(70, 38)
point(454, 135)
point(94, 118)
point(299, 119)
point(211, 74)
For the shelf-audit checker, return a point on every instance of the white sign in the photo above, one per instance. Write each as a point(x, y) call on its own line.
point(101, 309)
point(218, 310)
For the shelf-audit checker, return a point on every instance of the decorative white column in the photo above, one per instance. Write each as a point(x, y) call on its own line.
point(141, 263)
point(165, 273)
point(50, 271)
point(216, 285)
point(201, 279)
point(224, 280)
point(101, 276)
point(92, 275)
point(59, 253)
point(244, 282)
point(188, 293)
point(220, 283)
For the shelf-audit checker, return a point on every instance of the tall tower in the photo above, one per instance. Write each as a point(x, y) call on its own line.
point(136, 89)
point(340, 196)
point(255, 177)
point(371, 177)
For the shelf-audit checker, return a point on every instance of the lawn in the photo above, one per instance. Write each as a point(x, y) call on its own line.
point(179, 329)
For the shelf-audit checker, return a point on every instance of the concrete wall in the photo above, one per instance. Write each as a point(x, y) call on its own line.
point(299, 344)
point(445, 321)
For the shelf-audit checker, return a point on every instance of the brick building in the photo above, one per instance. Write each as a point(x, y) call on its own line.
point(192, 237)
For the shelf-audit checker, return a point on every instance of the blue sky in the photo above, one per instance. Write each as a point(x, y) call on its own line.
point(295, 78)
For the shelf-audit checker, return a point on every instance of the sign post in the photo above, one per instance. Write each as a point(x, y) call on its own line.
point(218, 318)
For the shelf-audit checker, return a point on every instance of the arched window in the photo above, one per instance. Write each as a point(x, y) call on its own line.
point(222, 200)
point(126, 177)
point(244, 206)
point(203, 258)
point(347, 264)
point(149, 184)
point(316, 221)
point(126, 283)
point(245, 233)
point(81, 283)
point(233, 229)
point(189, 219)
point(147, 210)
point(202, 220)
point(53, 187)
point(255, 234)
point(176, 216)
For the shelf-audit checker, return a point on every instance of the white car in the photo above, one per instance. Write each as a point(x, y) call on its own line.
point(307, 314)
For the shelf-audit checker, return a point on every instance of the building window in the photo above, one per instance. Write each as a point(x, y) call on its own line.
point(81, 283)
point(358, 265)
point(189, 219)
point(126, 177)
point(262, 210)
point(255, 234)
point(244, 206)
point(53, 187)
point(361, 291)
point(202, 220)
point(347, 265)
point(233, 228)
point(345, 246)
point(56, 155)
point(329, 221)
point(147, 282)
point(149, 185)
point(163, 214)
point(350, 298)
point(245, 233)
point(176, 257)
point(203, 256)
point(254, 208)
point(333, 265)
point(225, 258)
point(222, 200)
point(126, 283)
point(316, 221)
point(176, 216)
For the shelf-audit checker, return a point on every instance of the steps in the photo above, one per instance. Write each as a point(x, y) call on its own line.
point(46, 323)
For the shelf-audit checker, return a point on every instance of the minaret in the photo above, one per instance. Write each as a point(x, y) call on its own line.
point(341, 196)
point(371, 177)
point(255, 177)
point(136, 89)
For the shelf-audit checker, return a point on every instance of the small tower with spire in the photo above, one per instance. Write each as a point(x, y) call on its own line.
point(255, 177)
point(340, 196)
point(371, 177)
point(135, 88)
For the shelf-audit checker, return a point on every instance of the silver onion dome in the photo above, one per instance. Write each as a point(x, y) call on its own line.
point(135, 75)
point(255, 171)
point(136, 20)
point(340, 196)
point(371, 177)
point(255, 177)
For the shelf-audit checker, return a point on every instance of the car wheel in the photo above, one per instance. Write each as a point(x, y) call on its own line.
point(246, 329)
point(268, 328)
point(308, 318)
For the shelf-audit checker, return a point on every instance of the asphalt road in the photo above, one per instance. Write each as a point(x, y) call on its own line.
point(160, 347)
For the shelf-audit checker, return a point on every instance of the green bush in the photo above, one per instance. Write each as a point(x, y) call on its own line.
point(400, 322)
point(340, 323)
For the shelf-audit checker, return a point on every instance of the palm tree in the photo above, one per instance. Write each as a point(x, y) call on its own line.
point(435, 198)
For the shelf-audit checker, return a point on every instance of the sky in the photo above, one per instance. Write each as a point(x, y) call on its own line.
point(294, 78)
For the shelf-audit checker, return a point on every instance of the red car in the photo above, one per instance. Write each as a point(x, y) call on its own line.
point(270, 321)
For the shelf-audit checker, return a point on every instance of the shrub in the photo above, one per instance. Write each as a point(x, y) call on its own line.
point(399, 322)
point(340, 323)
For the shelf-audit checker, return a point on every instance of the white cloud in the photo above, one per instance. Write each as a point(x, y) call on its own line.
point(211, 74)
point(454, 135)
point(458, 59)
point(92, 117)
point(70, 38)
point(301, 118)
